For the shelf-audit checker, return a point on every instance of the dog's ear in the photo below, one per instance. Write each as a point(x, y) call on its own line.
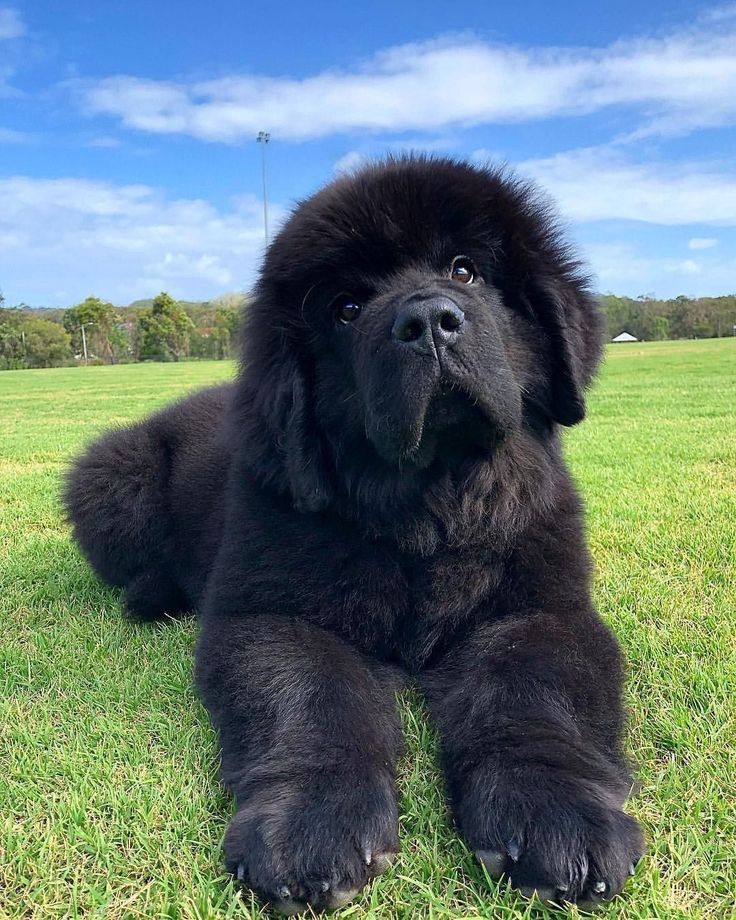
point(539, 268)
point(301, 446)
point(570, 314)
point(283, 441)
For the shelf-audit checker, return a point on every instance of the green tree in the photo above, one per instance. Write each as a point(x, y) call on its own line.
point(12, 344)
point(661, 327)
point(99, 319)
point(165, 330)
point(46, 344)
point(225, 330)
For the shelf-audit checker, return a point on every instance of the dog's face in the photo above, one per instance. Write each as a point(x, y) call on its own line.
point(424, 311)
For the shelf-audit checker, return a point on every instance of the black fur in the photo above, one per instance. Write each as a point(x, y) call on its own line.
point(357, 509)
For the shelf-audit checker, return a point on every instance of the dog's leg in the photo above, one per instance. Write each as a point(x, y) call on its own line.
point(309, 734)
point(530, 718)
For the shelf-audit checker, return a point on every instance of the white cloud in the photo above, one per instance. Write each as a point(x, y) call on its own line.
point(699, 242)
point(11, 136)
point(689, 267)
point(720, 13)
point(600, 184)
point(105, 142)
point(11, 24)
point(63, 239)
point(349, 162)
point(626, 269)
point(676, 82)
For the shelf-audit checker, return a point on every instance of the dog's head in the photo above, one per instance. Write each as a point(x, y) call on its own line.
point(411, 318)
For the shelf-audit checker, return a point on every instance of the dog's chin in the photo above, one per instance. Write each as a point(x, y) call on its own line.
point(454, 426)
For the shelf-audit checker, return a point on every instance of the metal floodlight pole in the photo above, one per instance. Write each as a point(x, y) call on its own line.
point(84, 340)
point(263, 138)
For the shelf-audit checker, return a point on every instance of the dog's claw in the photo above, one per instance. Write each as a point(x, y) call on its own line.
point(599, 887)
point(542, 894)
point(494, 862)
point(240, 872)
point(514, 850)
point(379, 862)
point(340, 897)
point(284, 893)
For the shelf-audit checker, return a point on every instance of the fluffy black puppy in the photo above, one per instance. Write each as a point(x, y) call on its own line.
point(382, 493)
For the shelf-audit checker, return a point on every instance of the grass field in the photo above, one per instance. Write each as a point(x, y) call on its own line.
point(109, 802)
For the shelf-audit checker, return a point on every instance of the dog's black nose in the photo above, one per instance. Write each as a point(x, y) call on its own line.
point(426, 325)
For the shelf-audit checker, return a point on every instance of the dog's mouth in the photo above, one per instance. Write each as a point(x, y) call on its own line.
point(455, 424)
point(448, 424)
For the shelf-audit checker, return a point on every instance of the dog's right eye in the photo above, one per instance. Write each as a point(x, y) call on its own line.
point(345, 309)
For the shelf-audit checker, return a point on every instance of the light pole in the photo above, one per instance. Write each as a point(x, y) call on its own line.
point(84, 339)
point(263, 138)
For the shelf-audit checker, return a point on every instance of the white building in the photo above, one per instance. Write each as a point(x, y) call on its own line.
point(625, 337)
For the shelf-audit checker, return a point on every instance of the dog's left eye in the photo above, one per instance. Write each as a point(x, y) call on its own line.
point(345, 309)
point(463, 270)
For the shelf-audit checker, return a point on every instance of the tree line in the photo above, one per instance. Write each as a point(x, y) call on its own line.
point(164, 329)
point(682, 317)
point(96, 332)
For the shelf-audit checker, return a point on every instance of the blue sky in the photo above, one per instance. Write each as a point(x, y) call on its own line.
point(128, 161)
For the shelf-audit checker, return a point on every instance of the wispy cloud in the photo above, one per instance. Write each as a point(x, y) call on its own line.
point(12, 27)
point(624, 269)
point(674, 82)
point(63, 239)
point(349, 162)
point(699, 242)
point(11, 136)
point(599, 184)
point(105, 142)
point(11, 24)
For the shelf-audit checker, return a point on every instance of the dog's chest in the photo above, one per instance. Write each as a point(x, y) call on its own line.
point(404, 607)
point(445, 592)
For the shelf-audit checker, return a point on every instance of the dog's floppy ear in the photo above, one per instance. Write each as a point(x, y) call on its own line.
point(301, 446)
point(283, 442)
point(570, 315)
point(543, 271)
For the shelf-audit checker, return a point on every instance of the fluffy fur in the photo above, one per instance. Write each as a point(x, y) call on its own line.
point(382, 498)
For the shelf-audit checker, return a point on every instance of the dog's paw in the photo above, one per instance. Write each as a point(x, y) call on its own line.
point(562, 840)
point(314, 842)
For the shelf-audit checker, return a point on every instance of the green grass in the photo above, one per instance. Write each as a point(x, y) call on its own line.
point(109, 802)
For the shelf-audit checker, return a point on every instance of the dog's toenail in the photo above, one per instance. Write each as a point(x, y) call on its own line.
point(494, 862)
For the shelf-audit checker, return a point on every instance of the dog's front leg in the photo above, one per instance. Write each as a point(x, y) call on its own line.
point(530, 717)
point(309, 735)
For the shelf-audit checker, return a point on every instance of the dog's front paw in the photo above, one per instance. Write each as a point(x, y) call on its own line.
point(559, 837)
point(313, 842)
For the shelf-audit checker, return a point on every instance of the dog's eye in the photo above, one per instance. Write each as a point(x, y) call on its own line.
point(463, 270)
point(345, 309)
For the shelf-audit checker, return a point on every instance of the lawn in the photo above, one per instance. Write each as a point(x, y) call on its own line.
point(109, 801)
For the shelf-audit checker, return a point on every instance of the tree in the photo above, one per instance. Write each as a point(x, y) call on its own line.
point(661, 327)
point(99, 318)
point(12, 344)
point(225, 330)
point(46, 344)
point(165, 330)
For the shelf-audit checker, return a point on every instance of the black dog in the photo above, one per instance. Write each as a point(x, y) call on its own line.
point(382, 493)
